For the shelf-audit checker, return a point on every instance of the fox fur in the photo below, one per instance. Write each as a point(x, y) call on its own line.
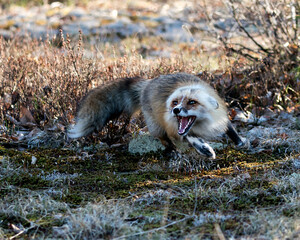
point(175, 107)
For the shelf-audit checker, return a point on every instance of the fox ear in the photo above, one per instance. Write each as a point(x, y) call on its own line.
point(213, 102)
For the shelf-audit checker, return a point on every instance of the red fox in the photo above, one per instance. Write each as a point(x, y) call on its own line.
point(176, 107)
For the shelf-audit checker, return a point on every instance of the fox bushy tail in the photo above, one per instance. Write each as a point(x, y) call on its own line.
point(105, 103)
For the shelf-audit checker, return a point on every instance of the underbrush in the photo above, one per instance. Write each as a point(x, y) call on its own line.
point(42, 84)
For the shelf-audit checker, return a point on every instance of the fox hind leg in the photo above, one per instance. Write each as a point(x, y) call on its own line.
point(201, 146)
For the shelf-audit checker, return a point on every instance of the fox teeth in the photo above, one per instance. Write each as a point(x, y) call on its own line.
point(188, 124)
point(185, 123)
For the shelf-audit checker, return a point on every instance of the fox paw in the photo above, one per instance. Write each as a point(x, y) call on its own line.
point(244, 144)
point(202, 147)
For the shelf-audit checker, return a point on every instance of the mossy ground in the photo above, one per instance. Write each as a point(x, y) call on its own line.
point(233, 185)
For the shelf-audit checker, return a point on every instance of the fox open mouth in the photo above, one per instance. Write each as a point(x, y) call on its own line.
point(185, 124)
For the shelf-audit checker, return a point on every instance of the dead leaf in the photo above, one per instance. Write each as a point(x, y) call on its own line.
point(7, 100)
point(255, 142)
point(26, 116)
point(36, 131)
point(232, 114)
point(283, 136)
point(15, 96)
point(15, 228)
point(57, 127)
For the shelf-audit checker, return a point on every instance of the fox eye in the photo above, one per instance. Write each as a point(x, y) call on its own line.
point(175, 103)
point(191, 102)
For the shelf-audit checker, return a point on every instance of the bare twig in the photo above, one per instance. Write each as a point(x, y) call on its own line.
point(294, 7)
point(238, 51)
point(242, 47)
point(22, 232)
point(196, 197)
point(219, 232)
point(244, 29)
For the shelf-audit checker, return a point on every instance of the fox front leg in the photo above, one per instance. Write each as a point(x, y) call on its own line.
point(201, 146)
point(233, 135)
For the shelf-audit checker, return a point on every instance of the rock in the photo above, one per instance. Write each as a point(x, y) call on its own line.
point(77, 12)
point(122, 28)
point(173, 30)
point(6, 23)
point(225, 24)
point(73, 29)
point(38, 32)
point(145, 144)
point(6, 34)
point(54, 22)
point(229, 24)
point(168, 21)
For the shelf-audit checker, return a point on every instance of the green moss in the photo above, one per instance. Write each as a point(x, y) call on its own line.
point(26, 181)
point(5, 219)
point(292, 211)
point(114, 173)
point(249, 202)
point(73, 198)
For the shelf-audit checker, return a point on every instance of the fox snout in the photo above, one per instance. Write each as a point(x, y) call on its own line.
point(177, 110)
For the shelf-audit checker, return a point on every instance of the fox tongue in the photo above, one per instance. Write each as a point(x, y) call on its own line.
point(183, 124)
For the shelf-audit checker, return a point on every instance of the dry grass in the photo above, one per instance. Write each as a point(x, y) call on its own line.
point(49, 81)
point(42, 81)
point(35, 214)
point(41, 84)
point(104, 220)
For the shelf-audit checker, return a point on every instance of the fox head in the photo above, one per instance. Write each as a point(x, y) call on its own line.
point(191, 105)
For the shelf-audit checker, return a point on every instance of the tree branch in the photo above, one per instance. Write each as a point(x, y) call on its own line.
point(245, 31)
